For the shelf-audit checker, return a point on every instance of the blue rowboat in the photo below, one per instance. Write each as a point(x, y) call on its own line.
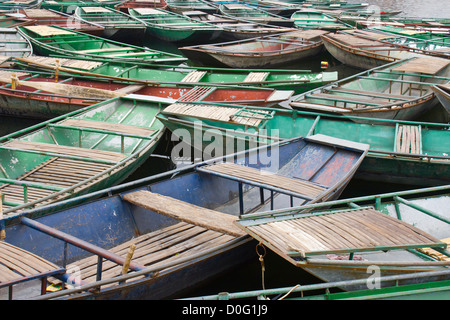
point(183, 229)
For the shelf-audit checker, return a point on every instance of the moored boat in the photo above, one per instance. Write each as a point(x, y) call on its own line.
point(297, 80)
point(48, 40)
point(70, 6)
point(235, 28)
point(133, 4)
point(77, 153)
point(363, 50)
point(50, 17)
point(394, 145)
point(247, 12)
point(173, 27)
point(404, 232)
point(13, 45)
point(11, 20)
point(11, 6)
point(317, 20)
point(261, 52)
point(397, 91)
point(200, 240)
point(180, 6)
point(116, 24)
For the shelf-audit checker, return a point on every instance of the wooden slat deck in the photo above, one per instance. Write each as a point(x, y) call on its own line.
point(427, 65)
point(338, 232)
point(158, 247)
point(211, 219)
point(58, 172)
point(68, 63)
point(16, 264)
point(65, 150)
point(254, 175)
point(408, 139)
point(217, 113)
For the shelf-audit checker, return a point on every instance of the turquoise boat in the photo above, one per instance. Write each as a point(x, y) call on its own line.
point(116, 24)
point(77, 153)
point(250, 13)
point(58, 41)
point(173, 27)
point(11, 6)
point(304, 19)
point(403, 152)
point(296, 80)
point(69, 6)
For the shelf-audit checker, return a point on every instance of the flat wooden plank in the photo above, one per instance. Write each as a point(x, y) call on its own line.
point(210, 219)
point(66, 150)
point(45, 31)
point(296, 185)
point(427, 65)
point(108, 126)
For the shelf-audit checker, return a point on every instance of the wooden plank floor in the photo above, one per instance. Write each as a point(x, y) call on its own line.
point(54, 172)
point(300, 186)
point(16, 263)
point(225, 114)
point(353, 230)
point(158, 247)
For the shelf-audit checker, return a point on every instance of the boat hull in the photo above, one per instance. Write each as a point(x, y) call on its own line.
point(443, 97)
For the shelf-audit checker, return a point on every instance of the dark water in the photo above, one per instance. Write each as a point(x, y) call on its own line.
point(279, 273)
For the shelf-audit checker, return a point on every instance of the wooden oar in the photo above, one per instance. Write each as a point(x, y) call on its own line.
point(66, 89)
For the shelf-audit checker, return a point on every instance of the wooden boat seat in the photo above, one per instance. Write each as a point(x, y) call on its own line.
point(256, 76)
point(197, 94)
point(112, 127)
point(59, 172)
point(408, 139)
point(371, 94)
point(250, 175)
point(217, 113)
point(17, 264)
point(65, 150)
point(427, 65)
point(193, 76)
point(158, 247)
point(355, 230)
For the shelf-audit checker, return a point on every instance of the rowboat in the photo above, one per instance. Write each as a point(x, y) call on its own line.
point(133, 4)
point(261, 52)
point(366, 50)
point(335, 5)
point(317, 20)
point(13, 45)
point(173, 27)
point(49, 40)
point(247, 12)
point(388, 233)
point(402, 152)
point(397, 91)
point(283, 9)
point(200, 240)
point(283, 79)
point(77, 153)
point(11, 20)
point(39, 95)
point(237, 29)
point(116, 24)
point(430, 290)
point(180, 6)
point(442, 92)
point(70, 6)
point(11, 6)
point(50, 17)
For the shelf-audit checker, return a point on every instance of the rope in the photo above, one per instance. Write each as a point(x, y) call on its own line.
point(261, 259)
point(290, 291)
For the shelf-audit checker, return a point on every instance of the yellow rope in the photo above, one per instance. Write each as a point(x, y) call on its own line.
point(290, 291)
point(261, 259)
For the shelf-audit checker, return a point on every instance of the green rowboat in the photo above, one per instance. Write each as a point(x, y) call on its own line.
point(173, 27)
point(316, 20)
point(70, 6)
point(58, 41)
point(404, 152)
point(250, 13)
point(80, 152)
point(296, 80)
point(116, 24)
point(180, 6)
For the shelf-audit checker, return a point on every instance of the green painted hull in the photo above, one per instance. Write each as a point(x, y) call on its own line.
point(78, 45)
point(317, 20)
point(383, 163)
point(172, 27)
point(100, 147)
point(68, 6)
